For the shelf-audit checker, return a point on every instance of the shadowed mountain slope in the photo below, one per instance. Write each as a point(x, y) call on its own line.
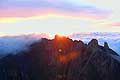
point(62, 59)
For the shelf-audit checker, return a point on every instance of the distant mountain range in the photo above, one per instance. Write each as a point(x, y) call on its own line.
point(62, 58)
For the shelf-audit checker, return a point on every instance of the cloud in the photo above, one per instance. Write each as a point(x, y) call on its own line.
point(16, 44)
point(113, 38)
point(113, 24)
point(28, 8)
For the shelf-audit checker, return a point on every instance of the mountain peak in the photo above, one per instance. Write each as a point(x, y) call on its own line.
point(62, 59)
point(106, 45)
point(93, 43)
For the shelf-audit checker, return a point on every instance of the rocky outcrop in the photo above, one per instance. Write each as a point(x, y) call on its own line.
point(106, 45)
point(93, 43)
point(62, 59)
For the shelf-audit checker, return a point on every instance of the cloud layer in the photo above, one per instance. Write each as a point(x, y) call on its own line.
point(29, 8)
point(16, 44)
point(103, 15)
point(113, 38)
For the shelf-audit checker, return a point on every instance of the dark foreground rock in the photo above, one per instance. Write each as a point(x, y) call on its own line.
point(62, 59)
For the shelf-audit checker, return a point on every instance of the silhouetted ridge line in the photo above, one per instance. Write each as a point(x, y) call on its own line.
point(62, 58)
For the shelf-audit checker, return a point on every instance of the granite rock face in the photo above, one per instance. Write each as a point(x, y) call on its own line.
point(62, 59)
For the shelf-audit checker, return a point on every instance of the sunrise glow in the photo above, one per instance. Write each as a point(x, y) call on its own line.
point(58, 17)
point(65, 58)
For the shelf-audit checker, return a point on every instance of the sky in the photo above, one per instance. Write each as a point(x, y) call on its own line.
point(58, 16)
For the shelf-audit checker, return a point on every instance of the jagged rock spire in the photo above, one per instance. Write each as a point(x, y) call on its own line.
point(106, 45)
point(93, 43)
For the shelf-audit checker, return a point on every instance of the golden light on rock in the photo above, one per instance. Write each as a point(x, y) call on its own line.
point(65, 58)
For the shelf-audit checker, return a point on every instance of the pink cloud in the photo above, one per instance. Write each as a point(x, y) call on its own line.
point(28, 12)
point(114, 24)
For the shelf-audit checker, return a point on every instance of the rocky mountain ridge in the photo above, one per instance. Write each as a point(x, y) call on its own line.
point(62, 58)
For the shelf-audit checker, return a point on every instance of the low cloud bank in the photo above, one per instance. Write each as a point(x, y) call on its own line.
point(113, 38)
point(16, 44)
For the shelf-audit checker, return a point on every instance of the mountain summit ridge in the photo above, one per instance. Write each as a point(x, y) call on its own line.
point(62, 58)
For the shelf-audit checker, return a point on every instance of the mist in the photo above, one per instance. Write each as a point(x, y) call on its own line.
point(16, 44)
